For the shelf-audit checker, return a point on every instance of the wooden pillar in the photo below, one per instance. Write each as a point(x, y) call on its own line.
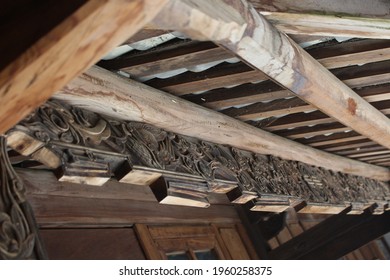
point(19, 233)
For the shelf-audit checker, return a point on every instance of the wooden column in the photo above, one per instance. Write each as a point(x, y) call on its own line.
point(334, 237)
point(238, 27)
point(51, 44)
point(19, 233)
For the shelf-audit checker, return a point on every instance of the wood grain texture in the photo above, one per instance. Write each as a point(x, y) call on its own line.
point(240, 29)
point(129, 100)
point(329, 25)
point(374, 9)
point(39, 71)
point(92, 244)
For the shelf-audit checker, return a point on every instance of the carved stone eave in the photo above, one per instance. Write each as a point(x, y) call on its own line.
point(85, 147)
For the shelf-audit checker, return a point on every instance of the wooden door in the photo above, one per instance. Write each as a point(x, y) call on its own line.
point(195, 242)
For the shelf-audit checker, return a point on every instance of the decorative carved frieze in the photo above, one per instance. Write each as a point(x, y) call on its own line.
point(18, 231)
point(64, 130)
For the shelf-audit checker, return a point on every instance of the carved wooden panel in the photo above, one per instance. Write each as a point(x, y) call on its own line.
point(100, 146)
point(18, 231)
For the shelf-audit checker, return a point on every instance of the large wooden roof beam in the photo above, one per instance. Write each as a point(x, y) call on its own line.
point(73, 43)
point(103, 92)
point(238, 27)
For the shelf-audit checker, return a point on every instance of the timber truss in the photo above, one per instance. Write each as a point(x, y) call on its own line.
point(85, 147)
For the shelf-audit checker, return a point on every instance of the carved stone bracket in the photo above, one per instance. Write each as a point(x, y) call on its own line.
point(18, 230)
point(83, 144)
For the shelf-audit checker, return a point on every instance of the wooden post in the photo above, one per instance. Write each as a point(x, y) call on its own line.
point(19, 233)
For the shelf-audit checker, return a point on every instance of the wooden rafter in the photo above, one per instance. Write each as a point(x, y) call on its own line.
point(329, 25)
point(71, 46)
point(239, 28)
point(129, 100)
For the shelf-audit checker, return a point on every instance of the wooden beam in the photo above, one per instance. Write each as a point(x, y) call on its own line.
point(72, 45)
point(130, 100)
point(333, 240)
point(115, 204)
point(239, 28)
point(373, 9)
point(329, 25)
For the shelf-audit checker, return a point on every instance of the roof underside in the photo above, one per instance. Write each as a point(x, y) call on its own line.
point(206, 74)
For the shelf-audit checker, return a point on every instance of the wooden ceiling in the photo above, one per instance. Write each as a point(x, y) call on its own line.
point(209, 75)
point(231, 59)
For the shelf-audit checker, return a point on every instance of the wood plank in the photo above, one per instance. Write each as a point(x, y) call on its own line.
point(129, 100)
point(304, 132)
point(296, 105)
point(41, 182)
point(174, 56)
point(147, 242)
point(348, 145)
point(59, 211)
point(222, 75)
point(329, 25)
point(367, 230)
point(284, 235)
point(92, 244)
point(359, 150)
point(230, 74)
point(240, 29)
point(340, 137)
point(371, 153)
point(234, 243)
point(39, 71)
point(374, 9)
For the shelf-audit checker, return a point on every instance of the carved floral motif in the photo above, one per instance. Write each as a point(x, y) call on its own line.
point(152, 147)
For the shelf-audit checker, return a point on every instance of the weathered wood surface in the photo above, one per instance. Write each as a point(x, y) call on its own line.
point(239, 28)
point(334, 237)
point(129, 100)
point(329, 25)
point(19, 233)
point(90, 145)
point(55, 58)
point(63, 204)
point(363, 8)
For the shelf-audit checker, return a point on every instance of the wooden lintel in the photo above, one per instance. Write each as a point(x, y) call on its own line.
point(70, 47)
point(238, 27)
point(129, 100)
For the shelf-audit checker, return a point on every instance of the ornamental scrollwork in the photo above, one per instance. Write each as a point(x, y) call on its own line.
point(149, 146)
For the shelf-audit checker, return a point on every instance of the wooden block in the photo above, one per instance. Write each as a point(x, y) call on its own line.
point(271, 203)
point(382, 207)
point(47, 157)
point(218, 186)
point(185, 193)
point(241, 197)
point(136, 175)
point(23, 143)
point(359, 208)
point(322, 208)
point(84, 172)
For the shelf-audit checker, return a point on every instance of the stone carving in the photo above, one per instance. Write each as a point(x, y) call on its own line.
point(18, 237)
point(59, 125)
